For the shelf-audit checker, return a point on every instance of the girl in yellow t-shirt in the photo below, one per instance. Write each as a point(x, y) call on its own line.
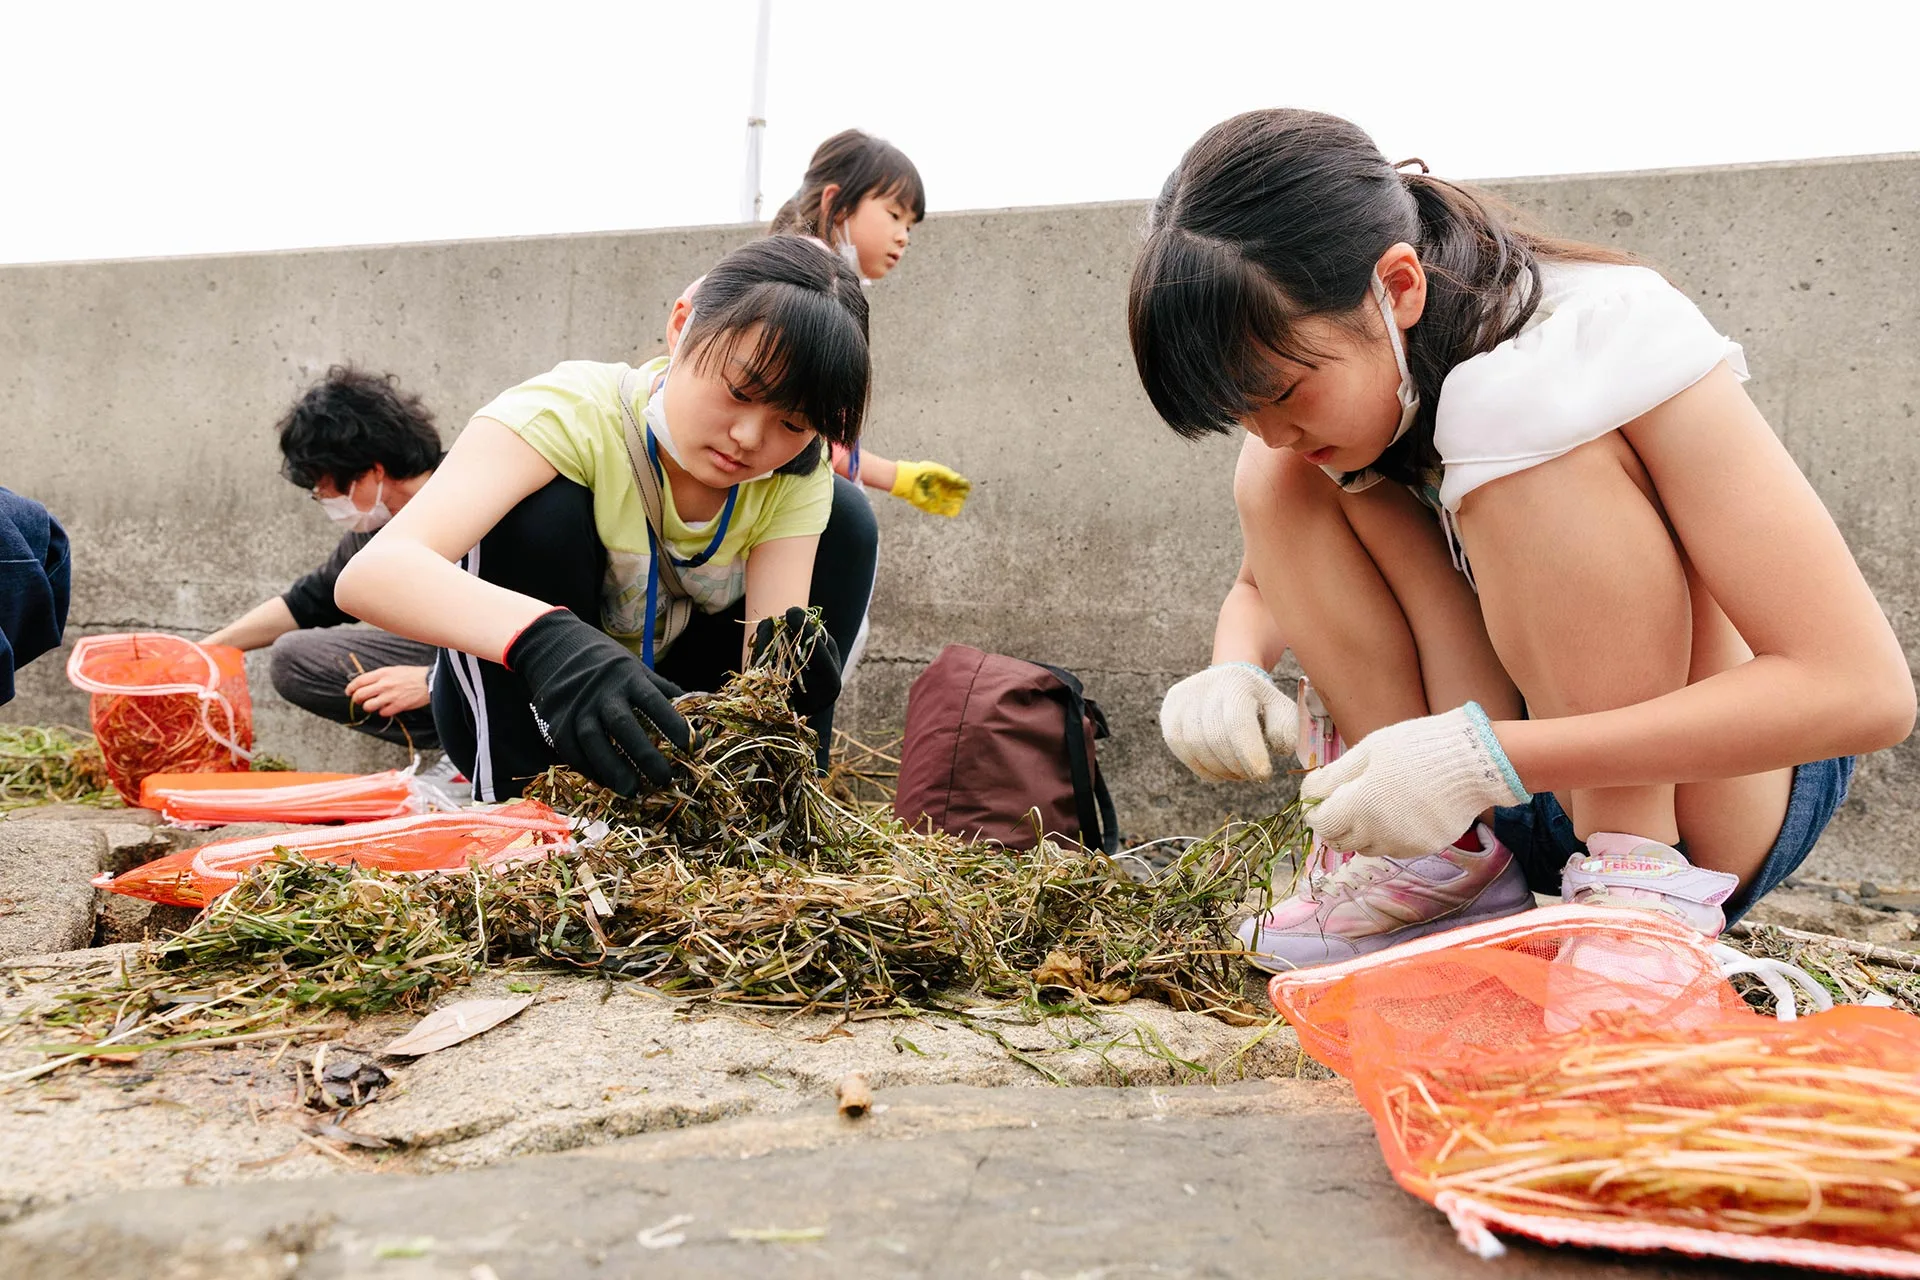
point(530, 559)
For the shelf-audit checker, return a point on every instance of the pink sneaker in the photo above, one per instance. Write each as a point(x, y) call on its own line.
point(1620, 870)
point(1368, 903)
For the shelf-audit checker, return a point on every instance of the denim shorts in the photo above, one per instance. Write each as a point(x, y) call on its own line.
point(1541, 834)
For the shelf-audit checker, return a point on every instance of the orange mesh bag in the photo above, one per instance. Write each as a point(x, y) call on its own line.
point(523, 830)
point(214, 799)
point(163, 704)
point(1586, 1075)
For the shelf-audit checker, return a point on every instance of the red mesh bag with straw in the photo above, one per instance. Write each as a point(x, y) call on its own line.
point(1586, 1075)
point(429, 842)
point(163, 704)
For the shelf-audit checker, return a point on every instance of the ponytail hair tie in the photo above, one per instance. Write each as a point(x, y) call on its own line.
point(1401, 165)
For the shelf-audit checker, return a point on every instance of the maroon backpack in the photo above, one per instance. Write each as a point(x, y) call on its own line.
point(990, 739)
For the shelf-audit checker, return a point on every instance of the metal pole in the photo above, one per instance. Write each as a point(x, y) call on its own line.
point(756, 118)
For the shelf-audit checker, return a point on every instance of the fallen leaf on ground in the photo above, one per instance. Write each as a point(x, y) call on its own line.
point(450, 1024)
point(1062, 970)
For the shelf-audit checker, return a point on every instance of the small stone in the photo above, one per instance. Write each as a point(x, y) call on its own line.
point(1868, 889)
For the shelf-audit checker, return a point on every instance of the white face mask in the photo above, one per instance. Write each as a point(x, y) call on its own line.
point(342, 512)
point(655, 416)
point(852, 255)
point(845, 248)
point(1409, 397)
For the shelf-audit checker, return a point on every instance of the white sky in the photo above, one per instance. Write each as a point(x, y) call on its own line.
point(188, 127)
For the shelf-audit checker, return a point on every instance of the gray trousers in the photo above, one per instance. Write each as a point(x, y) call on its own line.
point(311, 670)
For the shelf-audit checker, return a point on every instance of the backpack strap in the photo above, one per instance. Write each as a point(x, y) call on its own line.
point(679, 602)
point(1099, 826)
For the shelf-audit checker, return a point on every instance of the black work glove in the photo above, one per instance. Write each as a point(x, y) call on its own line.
point(817, 683)
point(597, 704)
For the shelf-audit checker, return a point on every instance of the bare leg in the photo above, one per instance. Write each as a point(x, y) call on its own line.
point(1730, 824)
point(1363, 589)
point(1591, 606)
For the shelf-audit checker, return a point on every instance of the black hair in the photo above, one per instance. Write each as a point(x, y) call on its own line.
point(348, 421)
point(807, 354)
point(862, 165)
point(1277, 215)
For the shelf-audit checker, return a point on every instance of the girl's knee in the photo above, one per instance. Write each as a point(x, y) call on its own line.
point(1598, 472)
point(1281, 493)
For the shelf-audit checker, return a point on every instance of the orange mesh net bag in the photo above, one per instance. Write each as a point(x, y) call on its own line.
point(215, 799)
point(163, 704)
point(523, 830)
point(1586, 1075)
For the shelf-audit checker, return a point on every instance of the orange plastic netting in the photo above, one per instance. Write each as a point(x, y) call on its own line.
point(164, 704)
point(215, 799)
point(1585, 1075)
point(521, 830)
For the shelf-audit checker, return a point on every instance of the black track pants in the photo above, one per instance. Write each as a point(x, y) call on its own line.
point(547, 547)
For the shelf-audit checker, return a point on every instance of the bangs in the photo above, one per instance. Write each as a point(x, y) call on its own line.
point(796, 349)
point(1207, 326)
point(901, 182)
point(882, 170)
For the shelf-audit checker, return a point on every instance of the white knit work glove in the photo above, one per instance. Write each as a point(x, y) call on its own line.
point(1221, 721)
point(1413, 787)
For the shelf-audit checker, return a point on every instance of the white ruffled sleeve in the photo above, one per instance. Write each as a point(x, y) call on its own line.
point(1615, 342)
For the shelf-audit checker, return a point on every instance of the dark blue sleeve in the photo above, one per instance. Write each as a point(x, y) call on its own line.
point(36, 581)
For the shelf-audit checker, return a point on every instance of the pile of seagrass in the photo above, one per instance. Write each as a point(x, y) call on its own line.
point(746, 881)
point(53, 765)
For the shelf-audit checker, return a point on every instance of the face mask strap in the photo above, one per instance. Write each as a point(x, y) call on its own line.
point(1408, 395)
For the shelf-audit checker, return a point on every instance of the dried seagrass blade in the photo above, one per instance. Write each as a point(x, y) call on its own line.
point(745, 881)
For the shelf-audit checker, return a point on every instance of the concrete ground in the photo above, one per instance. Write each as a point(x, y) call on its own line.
point(553, 1143)
point(1259, 1179)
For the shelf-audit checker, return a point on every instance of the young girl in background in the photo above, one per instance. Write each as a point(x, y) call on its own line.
point(1590, 630)
point(862, 197)
point(528, 557)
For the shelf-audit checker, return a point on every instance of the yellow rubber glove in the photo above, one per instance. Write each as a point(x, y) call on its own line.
point(935, 489)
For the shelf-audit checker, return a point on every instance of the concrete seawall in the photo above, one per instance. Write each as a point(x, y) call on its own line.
point(137, 399)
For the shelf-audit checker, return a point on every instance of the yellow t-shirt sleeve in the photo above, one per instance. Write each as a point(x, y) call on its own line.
point(799, 507)
point(560, 413)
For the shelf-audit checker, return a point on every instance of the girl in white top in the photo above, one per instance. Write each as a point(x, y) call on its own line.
point(1506, 500)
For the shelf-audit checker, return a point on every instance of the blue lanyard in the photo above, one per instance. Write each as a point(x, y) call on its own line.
point(654, 544)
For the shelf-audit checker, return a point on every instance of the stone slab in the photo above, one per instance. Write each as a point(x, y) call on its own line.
point(46, 903)
point(1257, 1180)
point(588, 1063)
